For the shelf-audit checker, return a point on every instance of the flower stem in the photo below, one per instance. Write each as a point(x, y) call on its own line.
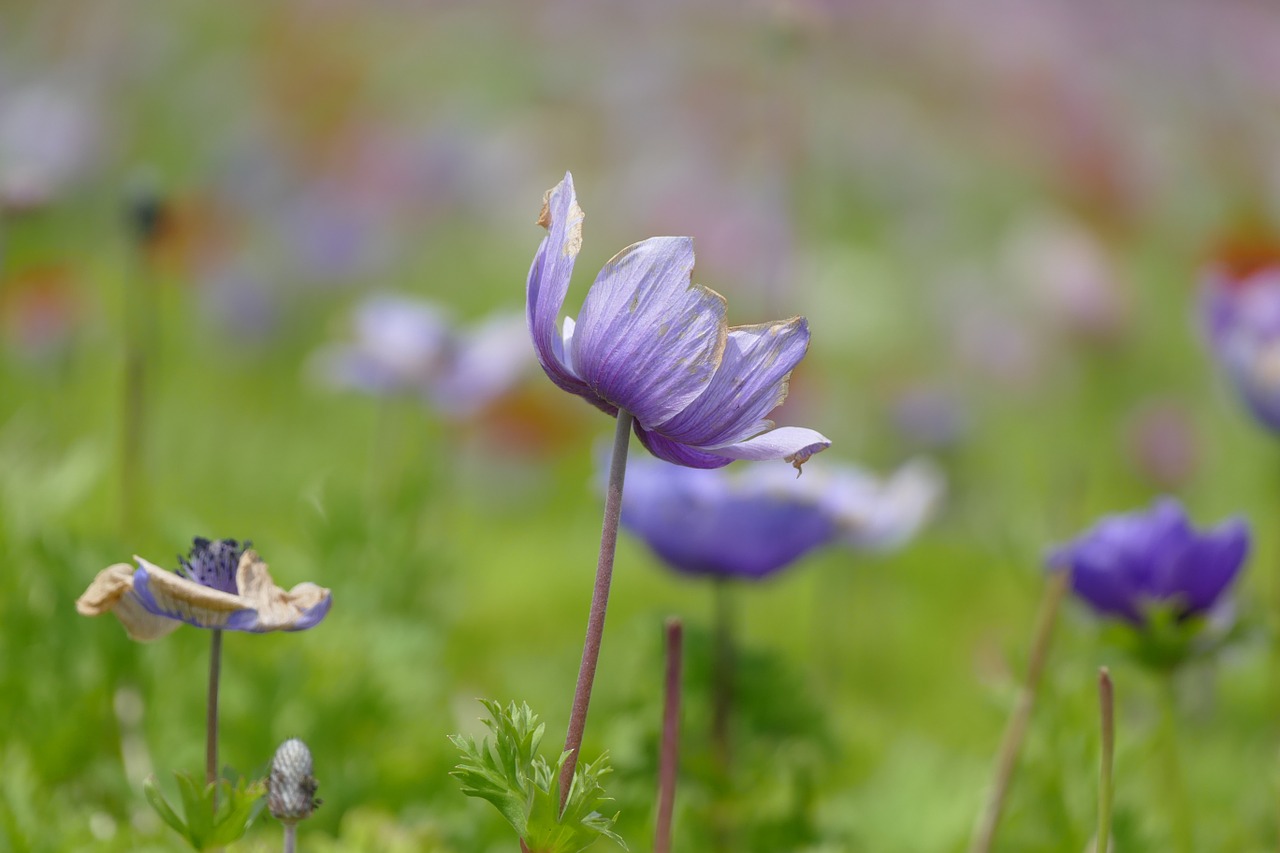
point(1106, 785)
point(668, 761)
point(211, 719)
point(722, 667)
point(1016, 729)
point(1176, 799)
point(290, 837)
point(599, 603)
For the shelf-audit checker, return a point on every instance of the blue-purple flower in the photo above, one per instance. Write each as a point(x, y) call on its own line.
point(752, 522)
point(405, 345)
point(1130, 564)
point(1241, 314)
point(650, 342)
point(219, 584)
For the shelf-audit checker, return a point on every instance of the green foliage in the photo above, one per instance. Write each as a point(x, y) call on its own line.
point(508, 772)
point(215, 814)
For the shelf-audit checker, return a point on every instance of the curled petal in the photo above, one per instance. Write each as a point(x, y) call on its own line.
point(112, 592)
point(750, 383)
point(175, 597)
point(647, 340)
point(258, 606)
point(794, 444)
point(549, 282)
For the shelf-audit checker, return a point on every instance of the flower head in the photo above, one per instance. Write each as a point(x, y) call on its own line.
point(1241, 315)
point(754, 522)
point(1126, 565)
point(405, 345)
point(652, 343)
point(219, 584)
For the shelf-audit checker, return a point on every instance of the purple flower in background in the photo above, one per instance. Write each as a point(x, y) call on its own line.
point(407, 345)
point(1127, 564)
point(218, 585)
point(650, 342)
point(47, 139)
point(754, 521)
point(1241, 314)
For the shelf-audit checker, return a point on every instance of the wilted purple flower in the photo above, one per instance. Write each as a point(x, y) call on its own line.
point(219, 585)
point(1127, 564)
point(1242, 316)
point(650, 342)
point(753, 522)
point(408, 345)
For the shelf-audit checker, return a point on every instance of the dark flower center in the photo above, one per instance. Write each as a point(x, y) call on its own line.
point(213, 564)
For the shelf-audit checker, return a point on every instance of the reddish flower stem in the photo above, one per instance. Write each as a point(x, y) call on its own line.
point(211, 718)
point(1106, 787)
point(599, 603)
point(668, 760)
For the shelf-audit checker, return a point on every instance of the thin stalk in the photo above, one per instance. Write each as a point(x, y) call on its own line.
point(524, 848)
point(668, 760)
point(1016, 730)
point(721, 709)
point(290, 837)
point(599, 603)
point(1106, 785)
point(211, 718)
point(140, 334)
point(1175, 785)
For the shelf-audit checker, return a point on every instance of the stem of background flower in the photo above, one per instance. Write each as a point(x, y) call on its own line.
point(211, 717)
point(1106, 785)
point(722, 666)
point(524, 848)
point(290, 837)
point(668, 759)
point(145, 213)
point(599, 603)
point(1016, 729)
point(1176, 800)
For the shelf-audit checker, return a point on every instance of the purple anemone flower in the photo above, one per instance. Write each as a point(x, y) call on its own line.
point(1241, 314)
point(753, 522)
point(1127, 564)
point(405, 345)
point(220, 584)
point(650, 342)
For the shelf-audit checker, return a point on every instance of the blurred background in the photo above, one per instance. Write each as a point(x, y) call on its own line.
point(993, 213)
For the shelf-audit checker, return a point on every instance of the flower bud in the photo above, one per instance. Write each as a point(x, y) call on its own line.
point(291, 789)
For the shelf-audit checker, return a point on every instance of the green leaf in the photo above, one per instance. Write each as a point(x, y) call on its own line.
point(162, 807)
point(215, 814)
point(506, 770)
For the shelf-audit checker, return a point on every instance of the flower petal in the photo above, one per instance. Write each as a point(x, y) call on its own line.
point(794, 444)
point(679, 454)
point(549, 282)
point(880, 515)
point(712, 523)
point(112, 591)
point(274, 609)
point(1211, 563)
point(167, 594)
point(750, 383)
point(647, 340)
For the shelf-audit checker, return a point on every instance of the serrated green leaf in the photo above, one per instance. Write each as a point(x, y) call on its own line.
point(506, 770)
point(197, 807)
point(237, 807)
point(162, 807)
